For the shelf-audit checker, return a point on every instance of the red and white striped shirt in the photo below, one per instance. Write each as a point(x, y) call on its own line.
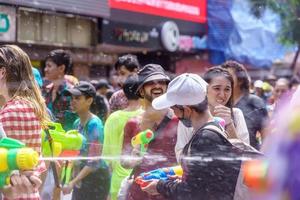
point(20, 122)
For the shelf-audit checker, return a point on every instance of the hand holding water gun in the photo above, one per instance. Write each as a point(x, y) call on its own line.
point(159, 174)
point(143, 139)
point(24, 183)
point(15, 156)
point(63, 143)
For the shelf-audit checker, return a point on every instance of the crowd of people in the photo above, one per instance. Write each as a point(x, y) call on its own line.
point(183, 112)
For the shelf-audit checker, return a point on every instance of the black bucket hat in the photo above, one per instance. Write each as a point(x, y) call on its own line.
point(151, 72)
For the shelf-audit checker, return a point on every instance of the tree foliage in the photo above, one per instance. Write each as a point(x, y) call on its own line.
point(288, 10)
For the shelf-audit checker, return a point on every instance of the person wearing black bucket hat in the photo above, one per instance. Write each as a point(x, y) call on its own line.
point(151, 73)
point(153, 83)
point(91, 173)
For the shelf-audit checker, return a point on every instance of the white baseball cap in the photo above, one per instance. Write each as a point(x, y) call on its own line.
point(258, 84)
point(186, 89)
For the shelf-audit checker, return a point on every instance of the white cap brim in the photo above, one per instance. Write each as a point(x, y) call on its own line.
point(162, 102)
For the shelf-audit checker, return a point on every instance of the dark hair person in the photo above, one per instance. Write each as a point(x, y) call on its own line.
point(60, 57)
point(125, 66)
point(252, 106)
point(220, 101)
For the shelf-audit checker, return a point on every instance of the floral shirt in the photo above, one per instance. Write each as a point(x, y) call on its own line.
point(118, 101)
point(60, 107)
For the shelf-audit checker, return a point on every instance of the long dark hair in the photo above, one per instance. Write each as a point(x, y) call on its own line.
point(219, 71)
point(243, 79)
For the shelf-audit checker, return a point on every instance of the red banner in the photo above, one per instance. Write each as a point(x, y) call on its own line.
point(189, 10)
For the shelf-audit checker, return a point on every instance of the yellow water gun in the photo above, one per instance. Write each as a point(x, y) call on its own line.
point(14, 155)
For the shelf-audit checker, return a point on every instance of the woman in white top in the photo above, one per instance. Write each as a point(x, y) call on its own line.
point(219, 96)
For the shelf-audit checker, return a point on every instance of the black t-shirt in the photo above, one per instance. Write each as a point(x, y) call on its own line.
point(255, 114)
point(210, 169)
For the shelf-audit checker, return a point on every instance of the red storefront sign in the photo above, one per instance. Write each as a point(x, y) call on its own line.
point(189, 10)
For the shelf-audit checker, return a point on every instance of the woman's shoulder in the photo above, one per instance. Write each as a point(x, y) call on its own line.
point(238, 115)
point(17, 106)
point(237, 112)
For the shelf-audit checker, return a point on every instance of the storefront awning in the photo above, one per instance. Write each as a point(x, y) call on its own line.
point(95, 8)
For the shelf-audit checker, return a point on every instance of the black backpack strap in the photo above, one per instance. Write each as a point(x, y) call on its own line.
point(234, 142)
point(167, 118)
point(211, 126)
point(162, 125)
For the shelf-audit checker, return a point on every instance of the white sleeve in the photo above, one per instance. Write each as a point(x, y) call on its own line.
point(2, 133)
point(184, 134)
point(241, 126)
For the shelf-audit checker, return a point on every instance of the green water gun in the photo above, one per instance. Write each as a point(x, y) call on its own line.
point(14, 155)
point(56, 142)
point(63, 143)
point(143, 138)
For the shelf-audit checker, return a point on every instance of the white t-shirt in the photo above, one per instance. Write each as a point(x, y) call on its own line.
point(184, 134)
point(240, 125)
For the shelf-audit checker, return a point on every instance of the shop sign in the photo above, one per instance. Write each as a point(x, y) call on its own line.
point(7, 24)
point(126, 35)
point(130, 35)
point(170, 36)
point(166, 36)
point(188, 43)
point(189, 10)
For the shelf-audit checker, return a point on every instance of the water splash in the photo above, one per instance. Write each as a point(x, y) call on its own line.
point(127, 157)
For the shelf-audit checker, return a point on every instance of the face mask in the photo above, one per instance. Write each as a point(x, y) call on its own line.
point(186, 122)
